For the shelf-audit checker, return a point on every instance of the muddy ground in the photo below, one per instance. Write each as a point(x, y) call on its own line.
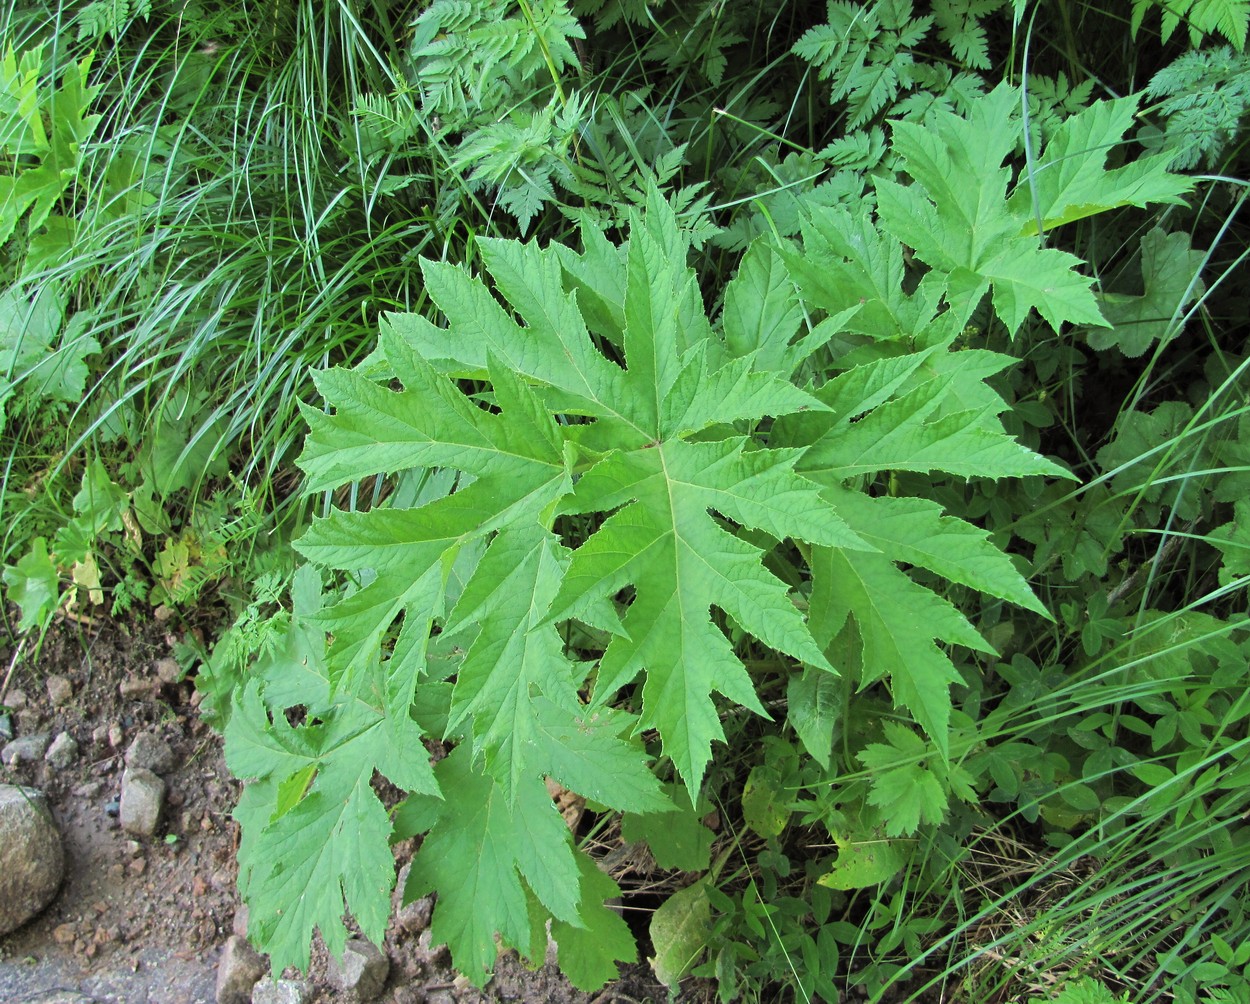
point(144, 921)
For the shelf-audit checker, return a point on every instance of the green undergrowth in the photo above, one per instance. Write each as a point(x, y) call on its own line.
point(813, 437)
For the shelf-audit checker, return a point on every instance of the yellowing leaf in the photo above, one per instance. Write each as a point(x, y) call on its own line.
point(679, 931)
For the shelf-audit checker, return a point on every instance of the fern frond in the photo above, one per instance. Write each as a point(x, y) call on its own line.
point(1205, 97)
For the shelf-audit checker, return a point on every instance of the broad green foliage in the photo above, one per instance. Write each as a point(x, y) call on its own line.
point(43, 355)
point(842, 495)
point(962, 187)
point(620, 402)
point(40, 124)
point(1170, 278)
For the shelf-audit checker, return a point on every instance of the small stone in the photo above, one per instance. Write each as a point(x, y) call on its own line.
point(150, 753)
point(239, 969)
point(60, 690)
point(363, 968)
point(59, 997)
point(62, 752)
point(32, 860)
point(100, 735)
point(115, 734)
point(137, 866)
point(142, 801)
point(133, 688)
point(428, 954)
point(88, 789)
point(271, 991)
point(440, 997)
point(239, 924)
point(168, 671)
point(27, 749)
point(134, 848)
point(415, 917)
point(64, 934)
point(16, 699)
point(7, 729)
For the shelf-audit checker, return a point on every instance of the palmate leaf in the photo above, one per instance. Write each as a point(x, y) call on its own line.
point(622, 463)
point(315, 835)
point(959, 220)
point(682, 562)
point(923, 410)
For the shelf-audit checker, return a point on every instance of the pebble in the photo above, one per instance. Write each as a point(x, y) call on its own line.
point(168, 671)
point(271, 991)
point(237, 972)
point(142, 801)
point(415, 917)
point(16, 699)
point(427, 953)
point(63, 751)
point(115, 734)
point(133, 687)
point(150, 753)
point(32, 858)
point(27, 749)
point(88, 789)
point(7, 731)
point(60, 690)
point(363, 968)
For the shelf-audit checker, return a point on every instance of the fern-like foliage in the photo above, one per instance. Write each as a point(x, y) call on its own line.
point(489, 74)
point(1229, 18)
point(110, 18)
point(1204, 95)
point(865, 53)
point(474, 55)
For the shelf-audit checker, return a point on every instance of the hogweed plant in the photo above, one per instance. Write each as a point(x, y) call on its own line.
point(610, 521)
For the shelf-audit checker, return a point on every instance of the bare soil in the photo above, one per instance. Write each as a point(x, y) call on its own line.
point(143, 922)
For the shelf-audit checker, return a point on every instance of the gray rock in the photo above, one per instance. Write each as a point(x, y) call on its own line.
point(142, 801)
point(237, 972)
point(150, 753)
point(415, 917)
point(27, 749)
point(32, 860)
point(271, 991)
point(168, 671)
point(363, 968)
point(62, 752)
point(428, 954)
point(60, 690)
point(57, 997)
